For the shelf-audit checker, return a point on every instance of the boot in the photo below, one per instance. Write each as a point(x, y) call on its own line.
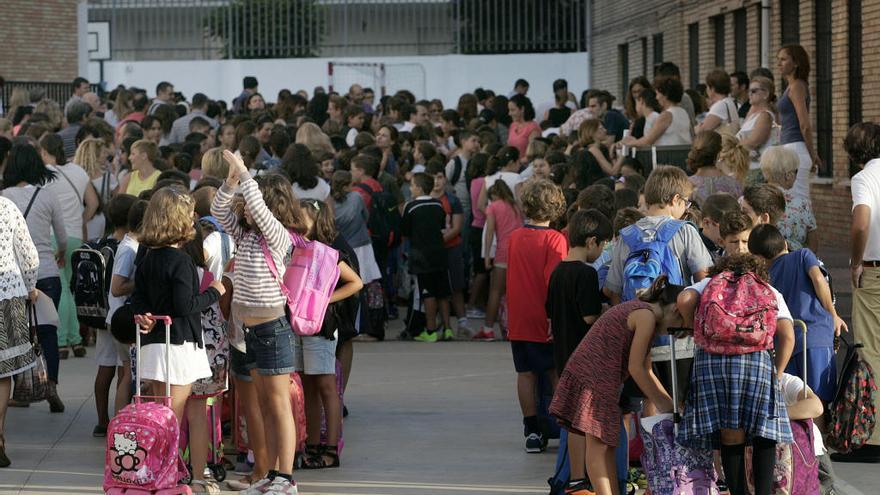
point(55, 404)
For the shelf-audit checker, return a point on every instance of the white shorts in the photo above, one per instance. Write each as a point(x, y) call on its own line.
point(369, 269)
point(105, 350)
point(801, 187)
point(189, 362)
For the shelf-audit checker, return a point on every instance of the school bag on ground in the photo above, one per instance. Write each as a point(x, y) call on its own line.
point(92, 269)
point(737, 315)
point(309, 280)
point(853, 412)
point(384, 217)
point(216, 347)
point(672, 468)
point(797, 468)
point(142, 441)
point(649, 257)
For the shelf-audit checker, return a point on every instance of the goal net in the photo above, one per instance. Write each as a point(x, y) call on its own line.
point(382, 78)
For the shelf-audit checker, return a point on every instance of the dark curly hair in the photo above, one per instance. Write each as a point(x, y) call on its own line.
point(740, 264)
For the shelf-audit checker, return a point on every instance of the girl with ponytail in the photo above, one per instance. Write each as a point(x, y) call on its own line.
point(587, 395)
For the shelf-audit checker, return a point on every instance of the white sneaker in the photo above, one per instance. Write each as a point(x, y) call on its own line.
point(258, 488)
point(281, 486)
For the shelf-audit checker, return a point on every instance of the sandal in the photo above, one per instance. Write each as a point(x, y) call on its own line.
point(4, 461)
point(79, 350)
point(206, 487)
point(320, 457)
point(242, 484)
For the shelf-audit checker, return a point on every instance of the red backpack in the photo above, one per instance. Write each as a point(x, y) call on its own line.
point(737, 315)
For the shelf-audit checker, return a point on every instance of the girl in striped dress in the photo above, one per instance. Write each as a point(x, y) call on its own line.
point(587, 397)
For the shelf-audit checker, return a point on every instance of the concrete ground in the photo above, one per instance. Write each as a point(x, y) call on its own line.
point(425, 419)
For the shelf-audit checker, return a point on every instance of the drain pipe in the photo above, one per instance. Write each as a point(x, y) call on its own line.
point(765, 33)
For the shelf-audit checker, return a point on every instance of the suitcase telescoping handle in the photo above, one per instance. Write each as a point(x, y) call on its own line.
point(137, 344)
point(676, 415)
point(800, 323)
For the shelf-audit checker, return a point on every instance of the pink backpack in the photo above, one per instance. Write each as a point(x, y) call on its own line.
point(309, 281)
point(737, 315)
point(142, 441)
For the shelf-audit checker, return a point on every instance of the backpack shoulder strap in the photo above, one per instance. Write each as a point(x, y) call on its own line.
point(31, 203)
point(668, 229)
point(456, 172)
point(270, 262)
point(213, 221)
point(631, 235)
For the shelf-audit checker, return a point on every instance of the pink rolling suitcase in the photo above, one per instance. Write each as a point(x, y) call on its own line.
point(142, 456)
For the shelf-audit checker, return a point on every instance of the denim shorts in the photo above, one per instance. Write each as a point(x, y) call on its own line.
point(272, 346)
point(315, 355)
point(241, 364)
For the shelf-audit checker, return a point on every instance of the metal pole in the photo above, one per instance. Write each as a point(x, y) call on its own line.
point(589, 36)
point(765, 33)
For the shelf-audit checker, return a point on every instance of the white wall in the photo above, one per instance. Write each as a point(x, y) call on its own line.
point(446, 76)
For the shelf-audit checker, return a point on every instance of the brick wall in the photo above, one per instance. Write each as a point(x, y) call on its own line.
point(831, 196)
point(39, 40)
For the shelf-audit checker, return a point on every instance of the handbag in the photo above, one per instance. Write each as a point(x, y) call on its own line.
point(32, 385)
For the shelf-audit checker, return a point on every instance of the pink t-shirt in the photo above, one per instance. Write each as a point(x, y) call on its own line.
point(507, 219)
point(519, 137)
point(479, 217)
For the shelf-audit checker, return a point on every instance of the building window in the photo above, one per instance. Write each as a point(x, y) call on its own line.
point(718, 28)
point(645, 57)
point(694, 53)
point(823, 87)
point(658, 49)
point(739, 36)
point(623, 60)
point(790, 16)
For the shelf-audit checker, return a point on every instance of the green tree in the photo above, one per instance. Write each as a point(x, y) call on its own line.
point(268, 28)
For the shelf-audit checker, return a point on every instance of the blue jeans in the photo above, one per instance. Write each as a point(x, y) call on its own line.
point(272, 346)
point(48, 334)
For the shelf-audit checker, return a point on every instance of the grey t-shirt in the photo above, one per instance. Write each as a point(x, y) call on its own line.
point(44, 217)
point(685, 244)
point(351, 220)
point(460, 187)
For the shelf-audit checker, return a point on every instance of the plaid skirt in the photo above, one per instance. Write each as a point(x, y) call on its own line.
point(737, 392)
point(16, 350)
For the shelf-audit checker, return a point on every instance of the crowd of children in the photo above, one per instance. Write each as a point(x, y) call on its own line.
point(562, 244)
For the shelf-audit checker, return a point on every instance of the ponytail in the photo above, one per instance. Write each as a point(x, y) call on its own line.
point(504, 156)
point(661, 292)
point(735, 157)
point(341, 179)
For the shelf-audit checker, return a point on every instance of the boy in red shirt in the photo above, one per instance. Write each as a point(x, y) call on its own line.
point(534, 252)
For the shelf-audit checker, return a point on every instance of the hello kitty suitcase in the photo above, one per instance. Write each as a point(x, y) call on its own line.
point(142, 456)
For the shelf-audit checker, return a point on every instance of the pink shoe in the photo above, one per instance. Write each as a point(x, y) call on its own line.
point(484, 336)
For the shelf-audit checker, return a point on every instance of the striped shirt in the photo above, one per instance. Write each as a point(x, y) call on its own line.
point(255, 287)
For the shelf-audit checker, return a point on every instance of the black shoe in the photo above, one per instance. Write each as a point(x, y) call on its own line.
point(99, 431)
point(344, 412)
point(63, 353)
point(79, 350)
point(869, 454)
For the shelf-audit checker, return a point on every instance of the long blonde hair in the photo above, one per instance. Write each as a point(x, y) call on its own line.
point(587, 130)
point(314, 139)
point(734, 157)
point(88, 156)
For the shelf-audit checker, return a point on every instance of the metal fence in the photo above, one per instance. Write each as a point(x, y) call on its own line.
point(211, 29)
point(59, 92)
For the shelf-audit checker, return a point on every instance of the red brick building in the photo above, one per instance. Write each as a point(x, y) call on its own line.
point(39, 40)
point(630, 36)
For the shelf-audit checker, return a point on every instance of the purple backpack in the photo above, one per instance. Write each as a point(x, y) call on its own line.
point(309, 280)
point(673, 469)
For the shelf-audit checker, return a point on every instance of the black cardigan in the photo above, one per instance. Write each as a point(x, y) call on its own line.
point(167, 283)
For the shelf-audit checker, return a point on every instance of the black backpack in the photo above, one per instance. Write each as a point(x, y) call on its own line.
point(384, 222)
point(92, 269)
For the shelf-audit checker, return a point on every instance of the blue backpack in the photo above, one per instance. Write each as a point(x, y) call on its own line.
point(649, 257)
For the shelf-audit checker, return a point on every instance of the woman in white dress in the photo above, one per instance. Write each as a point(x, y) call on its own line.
point(722, 114)
point(759, 130)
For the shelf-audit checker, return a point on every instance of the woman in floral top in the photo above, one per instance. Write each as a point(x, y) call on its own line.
point(779, 166)
point(19, 261)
